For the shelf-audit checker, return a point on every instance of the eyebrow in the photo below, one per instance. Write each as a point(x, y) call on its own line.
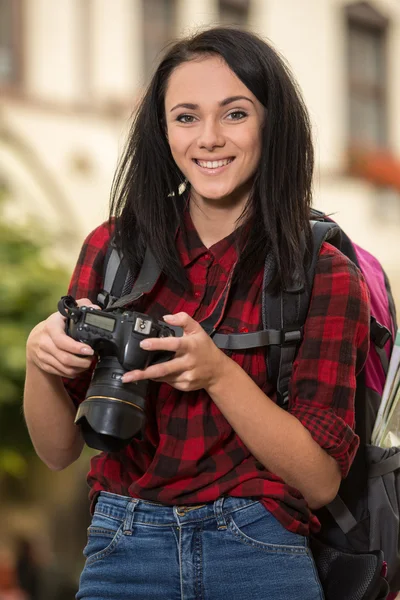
point(222, 103)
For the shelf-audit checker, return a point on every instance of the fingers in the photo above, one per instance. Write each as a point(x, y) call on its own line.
point(55, 364)
point(160, 371)
point(62, 362)
point(51, 364)
point(172, 344)
point(175, 344)
point(55, 330)
point(67, 344)
point(183, 320)
point(53, 351)
point(70, 359)
point(87, 302)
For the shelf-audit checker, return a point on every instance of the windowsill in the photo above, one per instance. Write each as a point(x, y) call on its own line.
point(111, 109)
point(379, 166)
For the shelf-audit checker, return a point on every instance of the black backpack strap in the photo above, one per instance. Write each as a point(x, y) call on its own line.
point(341, 514)
point(119, 290)
point(283, 315)
point(115, 276)
point(119, 287)
point(242, 341)
point(287, 311)
point(144, 283)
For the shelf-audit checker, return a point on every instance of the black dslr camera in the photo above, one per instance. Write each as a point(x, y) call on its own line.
point(114, 412)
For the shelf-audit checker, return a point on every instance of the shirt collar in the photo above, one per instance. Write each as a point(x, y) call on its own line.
point(191, 248)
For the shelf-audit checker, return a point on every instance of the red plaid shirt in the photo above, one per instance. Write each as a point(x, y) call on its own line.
point(190, 454)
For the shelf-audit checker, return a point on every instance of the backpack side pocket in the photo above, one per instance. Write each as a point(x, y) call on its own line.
point(384, 507)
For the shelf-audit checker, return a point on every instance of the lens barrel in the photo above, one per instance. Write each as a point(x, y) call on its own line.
point(113, 412)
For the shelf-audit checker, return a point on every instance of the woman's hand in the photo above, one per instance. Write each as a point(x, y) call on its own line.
point(197, 362)
point(53, 351)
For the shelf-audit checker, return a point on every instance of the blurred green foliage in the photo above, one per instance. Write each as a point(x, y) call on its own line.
point(30, 286)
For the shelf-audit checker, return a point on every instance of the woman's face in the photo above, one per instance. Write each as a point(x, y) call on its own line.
point(214, 128)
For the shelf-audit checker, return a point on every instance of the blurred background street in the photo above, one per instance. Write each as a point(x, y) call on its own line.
point(71, 73)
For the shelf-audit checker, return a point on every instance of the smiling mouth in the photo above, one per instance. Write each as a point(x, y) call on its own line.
point(213, 164)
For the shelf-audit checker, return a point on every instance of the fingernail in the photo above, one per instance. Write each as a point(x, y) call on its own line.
point(168, 317)
point(87, 350)
point(145, 344)
point(127, 378)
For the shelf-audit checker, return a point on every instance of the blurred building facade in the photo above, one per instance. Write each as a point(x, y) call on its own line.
point(71, 72)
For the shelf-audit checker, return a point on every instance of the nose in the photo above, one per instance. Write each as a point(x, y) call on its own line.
point(211, 135)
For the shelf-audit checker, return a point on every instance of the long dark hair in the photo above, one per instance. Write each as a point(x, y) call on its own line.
point(145, 200)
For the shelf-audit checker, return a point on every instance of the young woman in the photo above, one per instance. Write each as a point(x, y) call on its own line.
point(216, 500)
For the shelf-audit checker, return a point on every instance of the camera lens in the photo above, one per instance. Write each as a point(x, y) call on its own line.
point(113, 412)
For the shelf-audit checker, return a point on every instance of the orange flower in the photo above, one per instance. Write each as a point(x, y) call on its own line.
point(380, 167)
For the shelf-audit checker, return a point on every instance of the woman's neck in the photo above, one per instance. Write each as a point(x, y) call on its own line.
point(213, 223)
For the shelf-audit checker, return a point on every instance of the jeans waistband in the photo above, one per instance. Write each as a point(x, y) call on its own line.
point(117, 506)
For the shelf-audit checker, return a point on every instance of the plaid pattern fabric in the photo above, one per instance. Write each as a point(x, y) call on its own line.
point(189, 453)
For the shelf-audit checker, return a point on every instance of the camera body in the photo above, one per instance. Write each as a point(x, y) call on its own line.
point(119, 334)
point(113, 412)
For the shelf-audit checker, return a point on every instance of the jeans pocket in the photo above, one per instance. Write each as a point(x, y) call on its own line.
point(104, 534)
point(256, 527)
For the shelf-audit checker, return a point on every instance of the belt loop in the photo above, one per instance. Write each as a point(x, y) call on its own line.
point(130, 510)
point(219, 515)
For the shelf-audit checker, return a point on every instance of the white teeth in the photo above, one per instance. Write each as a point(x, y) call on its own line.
point(214, 164)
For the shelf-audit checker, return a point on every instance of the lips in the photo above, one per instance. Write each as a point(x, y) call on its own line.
point(213, 164)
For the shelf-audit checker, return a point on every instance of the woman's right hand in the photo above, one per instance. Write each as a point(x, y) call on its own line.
point(53, 351)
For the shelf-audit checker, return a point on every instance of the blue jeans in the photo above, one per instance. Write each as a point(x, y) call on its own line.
point(231, 549)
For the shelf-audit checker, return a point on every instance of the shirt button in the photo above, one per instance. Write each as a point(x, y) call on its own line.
point(197, 294)
point(244, 330)
point(207, 256)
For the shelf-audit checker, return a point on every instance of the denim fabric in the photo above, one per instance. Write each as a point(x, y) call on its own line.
point(231, 549)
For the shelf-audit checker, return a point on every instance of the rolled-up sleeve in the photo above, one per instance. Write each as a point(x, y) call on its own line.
point(333, 351)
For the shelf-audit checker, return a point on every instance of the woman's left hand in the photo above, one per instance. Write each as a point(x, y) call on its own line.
point(197, 362)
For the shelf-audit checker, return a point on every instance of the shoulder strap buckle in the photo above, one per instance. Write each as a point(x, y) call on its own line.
point(380, 334)
point(291, 336)
point(104, 299)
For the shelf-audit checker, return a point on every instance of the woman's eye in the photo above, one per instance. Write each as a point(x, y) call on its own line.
point(185, 119)
point(237, 115)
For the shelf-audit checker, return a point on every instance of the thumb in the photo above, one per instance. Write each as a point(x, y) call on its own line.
point(86, 302)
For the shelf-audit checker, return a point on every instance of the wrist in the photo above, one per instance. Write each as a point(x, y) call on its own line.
point(222, 373)
point(35, 370)
point(31, 344)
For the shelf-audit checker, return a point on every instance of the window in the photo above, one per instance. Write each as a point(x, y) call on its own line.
point(10, 43)
point(159, 28)
point(234, 12)
point(367, 76)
